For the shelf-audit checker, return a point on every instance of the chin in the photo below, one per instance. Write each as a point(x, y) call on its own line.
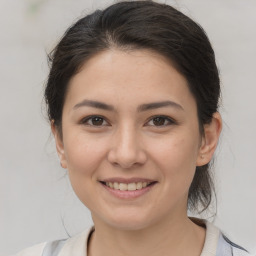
point(129, 222)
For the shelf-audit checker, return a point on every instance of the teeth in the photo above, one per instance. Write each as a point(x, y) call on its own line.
point(123, 186)
point(116, 185)
point(129, 186)
point(139, 185)
point(132, 186)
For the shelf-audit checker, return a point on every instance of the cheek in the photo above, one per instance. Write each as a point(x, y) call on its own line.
point(176, 156)
point(83, 154)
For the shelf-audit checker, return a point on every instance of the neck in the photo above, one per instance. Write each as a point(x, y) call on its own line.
point(175, 237)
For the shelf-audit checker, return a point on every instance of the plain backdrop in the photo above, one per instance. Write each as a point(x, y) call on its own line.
point(36, 199)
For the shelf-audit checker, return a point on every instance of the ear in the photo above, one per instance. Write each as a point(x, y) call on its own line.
point(210, 140)
point(59, 145)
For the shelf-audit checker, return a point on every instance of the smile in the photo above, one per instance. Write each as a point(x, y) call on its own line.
point(130, 186)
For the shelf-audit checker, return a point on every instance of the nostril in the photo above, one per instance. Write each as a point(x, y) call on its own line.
point(126, 157)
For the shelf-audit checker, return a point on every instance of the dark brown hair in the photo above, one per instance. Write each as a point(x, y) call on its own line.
point(129, 25)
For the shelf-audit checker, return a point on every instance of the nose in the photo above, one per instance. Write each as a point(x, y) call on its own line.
point(126, 150)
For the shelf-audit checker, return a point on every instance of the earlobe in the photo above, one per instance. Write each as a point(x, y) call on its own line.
point(59, 145)
point(210, 140)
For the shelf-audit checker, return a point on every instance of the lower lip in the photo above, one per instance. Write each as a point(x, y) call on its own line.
point(128, 194)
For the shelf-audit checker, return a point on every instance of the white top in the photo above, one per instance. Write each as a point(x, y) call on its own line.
point(216, 244)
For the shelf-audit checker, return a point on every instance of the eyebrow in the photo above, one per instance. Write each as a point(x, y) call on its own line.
point(155, 105)
point(143, 107)
point(94, 104)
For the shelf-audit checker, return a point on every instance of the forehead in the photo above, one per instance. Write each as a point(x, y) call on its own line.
point(133, 77)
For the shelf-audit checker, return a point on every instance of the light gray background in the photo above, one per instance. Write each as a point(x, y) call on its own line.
point(36, 200)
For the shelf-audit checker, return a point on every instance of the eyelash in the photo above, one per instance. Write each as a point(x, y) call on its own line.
point(85, 120)
point(170, 121)
point(166, 118)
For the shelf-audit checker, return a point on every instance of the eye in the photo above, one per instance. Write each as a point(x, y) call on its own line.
point(94, 121)
point(160, 121)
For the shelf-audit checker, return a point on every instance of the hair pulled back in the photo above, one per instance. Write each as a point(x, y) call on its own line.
point(133, 25)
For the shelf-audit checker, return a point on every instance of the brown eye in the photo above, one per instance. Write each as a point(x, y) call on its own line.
point(160, 121)
point(97, 121)
point(157, 121)
point(94, 121)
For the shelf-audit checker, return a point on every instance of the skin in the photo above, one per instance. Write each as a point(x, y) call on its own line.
point(128, 142)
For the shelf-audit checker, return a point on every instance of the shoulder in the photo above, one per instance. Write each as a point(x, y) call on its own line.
point(227, 247)
point(35, 250)
point(76, 245)
point(218, 244)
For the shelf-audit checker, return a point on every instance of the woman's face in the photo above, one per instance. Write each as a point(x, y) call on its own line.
point(130, 121)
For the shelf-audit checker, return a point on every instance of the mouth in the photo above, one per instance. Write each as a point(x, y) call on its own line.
point(122, 186)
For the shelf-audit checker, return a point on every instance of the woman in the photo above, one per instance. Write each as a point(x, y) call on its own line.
point(132, 98)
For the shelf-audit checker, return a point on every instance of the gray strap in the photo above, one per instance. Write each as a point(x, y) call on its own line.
point(228, 248)
point(53, 248)
point(223, 248)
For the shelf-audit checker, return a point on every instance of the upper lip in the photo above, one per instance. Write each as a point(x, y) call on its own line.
point(125, 180)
